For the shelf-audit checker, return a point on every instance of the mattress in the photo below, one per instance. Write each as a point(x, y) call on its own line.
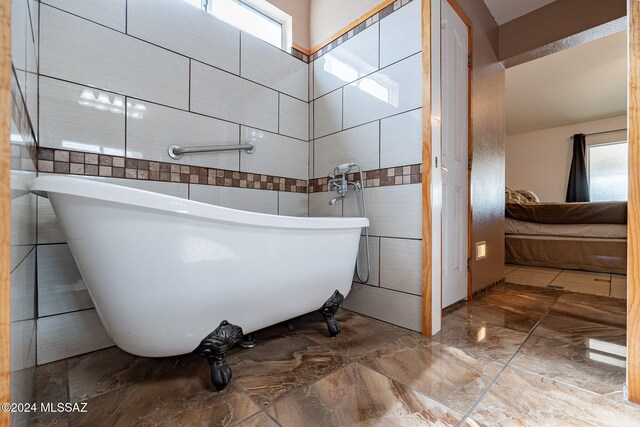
point(569, 213)
point(602, 231)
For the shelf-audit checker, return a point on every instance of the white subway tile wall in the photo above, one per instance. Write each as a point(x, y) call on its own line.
point(346, 63)
point(244, 102)
point(70, 334)
point(70, 120)
point(275, 154)
point(327, 114)
point(360, 144)
point(78, 50)
point(274, 68)
point(23, 215)
point(237, 198)
point(294, 117)
point(293, 204)
point(149, 136)
point(401, 139)
point(367, 98)
point(392, 90)
point(398, 34)
point(110, 13)
point(60, 285)
point(184, 29)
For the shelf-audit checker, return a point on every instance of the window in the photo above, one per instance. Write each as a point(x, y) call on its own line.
point(608, 171)
point(256, 17)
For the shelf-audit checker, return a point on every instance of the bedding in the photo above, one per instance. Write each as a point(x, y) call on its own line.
point(581, 236)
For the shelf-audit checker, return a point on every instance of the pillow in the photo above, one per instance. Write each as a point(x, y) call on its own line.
point(512, 196)
point(529, 196)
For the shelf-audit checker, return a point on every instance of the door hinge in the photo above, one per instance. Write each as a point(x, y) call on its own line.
point(469, 60)
point(468, 264)
point(470, 160)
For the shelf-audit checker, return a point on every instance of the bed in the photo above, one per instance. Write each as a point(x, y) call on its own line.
point(579, 236)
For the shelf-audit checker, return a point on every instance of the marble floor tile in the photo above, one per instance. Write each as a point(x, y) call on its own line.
point(524, 298)
point(359, 334)
point(508, 268)
point(480, 338)
point(572, 330)
point(446, 374)
point(102, 371)
point(276, 367)
point(357, 395)
point(50, 386)
point(522, 399)
point(618, 286)
point(595, 365)
point(258, 420)
point(533, 276)
point(585, 282)
point(507, 317)
point(183, 396)
point(592, 308)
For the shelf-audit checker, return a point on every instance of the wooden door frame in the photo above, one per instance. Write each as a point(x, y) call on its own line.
point(427, 165)
point(5, 207)
point(633, 238)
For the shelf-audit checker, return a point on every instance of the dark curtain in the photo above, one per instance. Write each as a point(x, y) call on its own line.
point(578, 188)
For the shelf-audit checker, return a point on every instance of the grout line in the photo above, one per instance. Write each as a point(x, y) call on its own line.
point(172, 107)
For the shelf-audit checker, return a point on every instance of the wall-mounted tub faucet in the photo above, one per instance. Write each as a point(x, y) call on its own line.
point(340, 185)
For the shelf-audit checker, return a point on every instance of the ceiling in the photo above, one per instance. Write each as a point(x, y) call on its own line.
point(583, 83)
point(507, 10)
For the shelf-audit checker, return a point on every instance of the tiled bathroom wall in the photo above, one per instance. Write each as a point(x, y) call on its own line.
point(24, 122)
point(121, 81)
point(366, 108)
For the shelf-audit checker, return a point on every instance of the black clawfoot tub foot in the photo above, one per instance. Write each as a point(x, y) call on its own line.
point(248, 341)
point(214, 347)
point(329, 309)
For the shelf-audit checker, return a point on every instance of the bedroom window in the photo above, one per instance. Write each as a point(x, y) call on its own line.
point(608, 171)
point(256, 17)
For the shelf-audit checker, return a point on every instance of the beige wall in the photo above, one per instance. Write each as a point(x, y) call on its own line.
point(556, 21)
point(330, 16)
point(488, 125)
point(539, 161)
point(299, 11)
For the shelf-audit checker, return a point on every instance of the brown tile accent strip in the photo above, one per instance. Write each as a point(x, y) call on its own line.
point(388, 10)
point(89, 164)
point(299, 55)
point(411, 174)
point(489, 287)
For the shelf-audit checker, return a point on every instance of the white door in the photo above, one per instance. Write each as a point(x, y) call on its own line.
point(455, 155)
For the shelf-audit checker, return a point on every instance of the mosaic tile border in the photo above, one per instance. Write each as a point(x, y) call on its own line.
point(91, 164)
point(299, 55)
point(400, 175)
point(383, 13)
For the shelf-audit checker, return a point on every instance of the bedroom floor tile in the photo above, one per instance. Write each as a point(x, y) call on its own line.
point(508, 268)
point(532, 276)
point(572, 330)
point(619, 286)
point(524, 399)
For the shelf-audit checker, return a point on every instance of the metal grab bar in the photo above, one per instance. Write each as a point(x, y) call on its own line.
point(176, 152)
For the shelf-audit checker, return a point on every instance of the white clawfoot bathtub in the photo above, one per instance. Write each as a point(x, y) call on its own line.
point(163, 272)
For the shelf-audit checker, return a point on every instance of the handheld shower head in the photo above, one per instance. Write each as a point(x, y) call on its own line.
point(344, 168)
